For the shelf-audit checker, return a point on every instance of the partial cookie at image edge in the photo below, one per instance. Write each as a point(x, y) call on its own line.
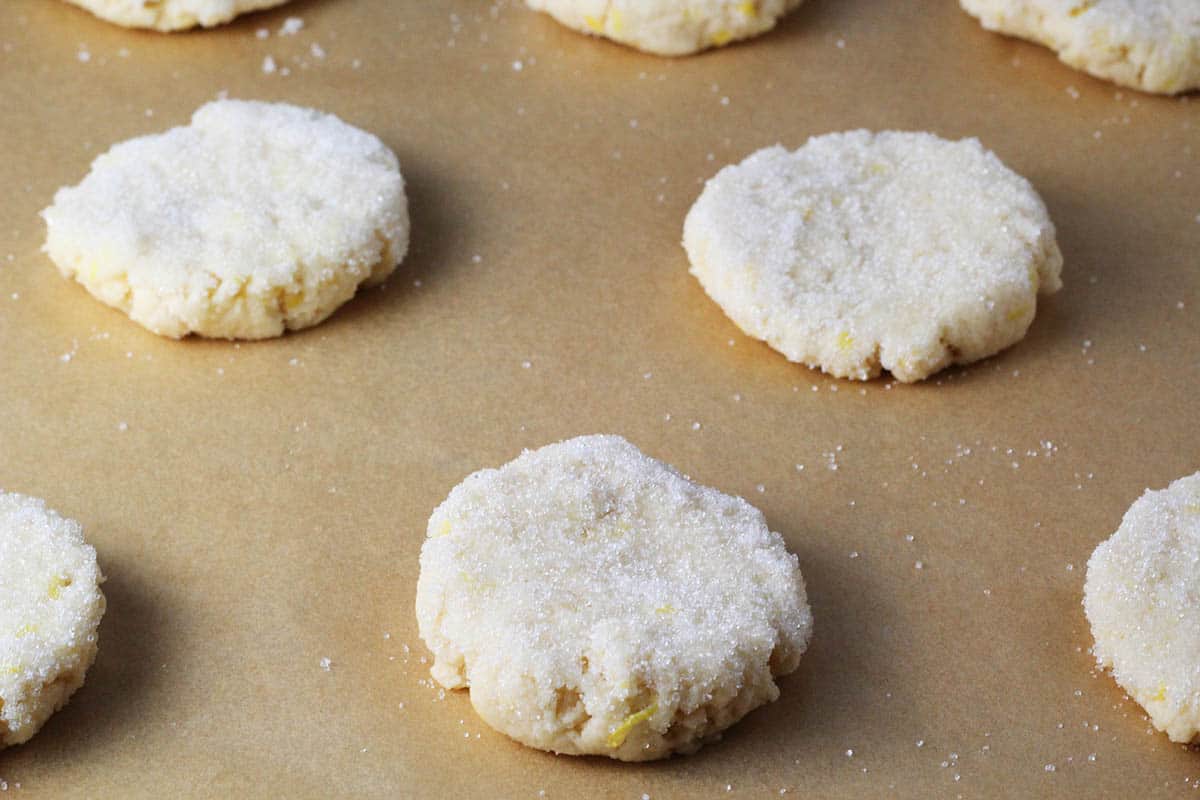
point(668, 27)
point(1139, 600)
point(167, 16)
point(50, 610)
point(1149, 45)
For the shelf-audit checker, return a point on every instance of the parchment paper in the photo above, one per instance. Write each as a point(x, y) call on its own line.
point(259, 508)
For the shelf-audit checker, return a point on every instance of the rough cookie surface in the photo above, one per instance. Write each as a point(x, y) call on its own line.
point(253, 219)
point(1153, 45)
point(866, 251)
point(668, 27)
point(1141, 600)
point(172, 15)
point(596, 601)
point(50, 608)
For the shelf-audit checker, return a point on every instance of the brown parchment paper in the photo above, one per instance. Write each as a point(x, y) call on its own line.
point(259, 508)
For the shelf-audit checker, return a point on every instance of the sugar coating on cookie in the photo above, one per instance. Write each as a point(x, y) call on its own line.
point(254, 219)
point(596, 601)
point(1141, 600)
point(50, 608)
point(1152, 45)
point(861, 252)
point(668, 27)
point(172, 15)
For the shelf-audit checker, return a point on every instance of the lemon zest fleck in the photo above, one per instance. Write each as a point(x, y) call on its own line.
point(56, 585)
point(845, 341)
point(617, 737)
point(721, 37)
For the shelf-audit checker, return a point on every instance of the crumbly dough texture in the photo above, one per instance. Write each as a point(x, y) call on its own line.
point(596, 601)
point(668, 27)
point(253, 219)
point(865, 251)
point(50, 608)
point(172, 15)
point(1141, 600)
point(1152, 45)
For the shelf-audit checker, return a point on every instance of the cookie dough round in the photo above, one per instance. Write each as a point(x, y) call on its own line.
point(50, 608)
point(1140, 598)
point(668, 27)
point(868, 251)
point(1152, 45)
point(172, 15)
point(253, 219)
point(596, 601)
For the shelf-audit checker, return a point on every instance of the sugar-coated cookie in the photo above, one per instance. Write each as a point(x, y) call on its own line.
point(172, 15)
point(668, 27)
point(596, 601)
point(50, 609)
point(1153, 45)
point(1141, 600)
point(254, 219)
point(861, 252)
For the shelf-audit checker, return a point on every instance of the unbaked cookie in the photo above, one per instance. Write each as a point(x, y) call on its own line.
point(1141, 599)
point(253, 219)
point(172, 15)
point(1153, 45)
point(868, 251)
point(668, 27)
point(596, 601)
point(50, 608)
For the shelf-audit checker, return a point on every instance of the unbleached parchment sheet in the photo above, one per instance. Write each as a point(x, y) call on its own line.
point(260, 507)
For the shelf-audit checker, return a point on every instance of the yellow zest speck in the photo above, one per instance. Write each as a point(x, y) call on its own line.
point(1016, 314)
point(444, 528)
point(1161, 694)
point(617, 737)
point(1192, 508)
point(667, 609)
point(25, 630)
point(845, 341)
point(595, 23)
point(1082, 7)
point(56, 585)
point(749, 8)
point(616, 21)
point(721, 37)
point(8, 670)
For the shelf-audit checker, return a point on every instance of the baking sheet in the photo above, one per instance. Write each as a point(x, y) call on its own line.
point(259, 508)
